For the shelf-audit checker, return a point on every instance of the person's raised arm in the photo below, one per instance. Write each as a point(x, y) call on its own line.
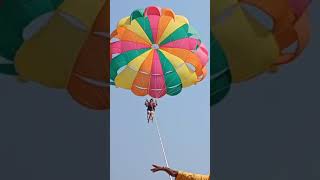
point(169, 171)
point(180, 175)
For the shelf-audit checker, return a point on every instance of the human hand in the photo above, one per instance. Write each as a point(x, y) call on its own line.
point(169, 171)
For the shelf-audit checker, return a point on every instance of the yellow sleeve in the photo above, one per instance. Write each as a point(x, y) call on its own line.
point(189, 176)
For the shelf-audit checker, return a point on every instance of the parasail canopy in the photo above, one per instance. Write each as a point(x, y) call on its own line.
point(59, 44)
point(255, 36)
point(156, 52)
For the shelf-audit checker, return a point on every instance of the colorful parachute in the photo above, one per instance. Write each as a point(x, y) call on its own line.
point(68, 50)
point(156, 52)
point(15, 17)
point(250, 37)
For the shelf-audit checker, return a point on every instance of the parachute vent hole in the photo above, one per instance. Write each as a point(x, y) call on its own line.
point(191, 67)
point(155, 46)
point(291, 49)
point(260, 16)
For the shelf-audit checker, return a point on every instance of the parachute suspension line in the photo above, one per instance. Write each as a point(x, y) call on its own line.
point(162, 146)
point(155, 119)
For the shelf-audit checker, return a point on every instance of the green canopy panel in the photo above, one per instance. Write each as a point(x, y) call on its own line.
point(15, 16)
point(221, 79)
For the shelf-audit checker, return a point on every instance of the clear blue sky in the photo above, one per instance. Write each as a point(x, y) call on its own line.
point(184, 120)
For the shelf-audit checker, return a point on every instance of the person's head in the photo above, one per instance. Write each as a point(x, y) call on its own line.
point(151, 100)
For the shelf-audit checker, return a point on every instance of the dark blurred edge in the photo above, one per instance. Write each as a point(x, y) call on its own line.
point(266, 129)
point(38, 143)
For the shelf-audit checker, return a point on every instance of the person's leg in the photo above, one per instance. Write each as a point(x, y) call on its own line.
point(148, 116)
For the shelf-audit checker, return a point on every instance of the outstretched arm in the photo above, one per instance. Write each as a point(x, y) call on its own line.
point(179, 175)
point(169, 171)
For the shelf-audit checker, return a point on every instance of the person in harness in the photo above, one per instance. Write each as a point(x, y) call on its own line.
point(151, 107)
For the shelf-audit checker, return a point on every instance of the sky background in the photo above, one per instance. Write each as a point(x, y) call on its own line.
point(184, 119)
